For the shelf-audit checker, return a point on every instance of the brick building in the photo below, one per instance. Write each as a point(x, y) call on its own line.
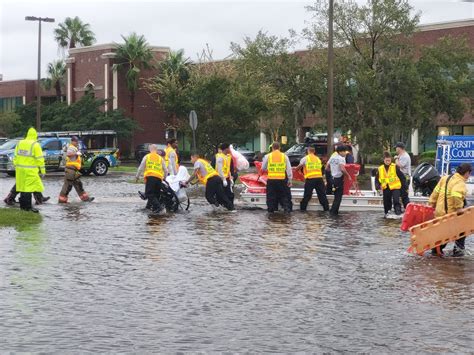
point(89, 69)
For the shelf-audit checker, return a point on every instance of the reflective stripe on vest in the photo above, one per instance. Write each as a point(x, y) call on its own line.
point(313, 167)
point(389, 179)
point(226, 159)
point(154, 166)
point(276, 165)
point(210, 171)
point(168, 151)
point(77, 162)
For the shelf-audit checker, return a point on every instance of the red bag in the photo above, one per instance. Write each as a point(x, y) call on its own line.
point(416, 214)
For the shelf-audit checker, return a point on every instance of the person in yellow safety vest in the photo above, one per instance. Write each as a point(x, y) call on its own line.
point(171, 156)
point(223, 166)
point(450, 196)
point(153, 167)
point(29, 164)
point(279, 172)
point(209, 177)
point(390, 179)
point(72, 175)
point(313, 175)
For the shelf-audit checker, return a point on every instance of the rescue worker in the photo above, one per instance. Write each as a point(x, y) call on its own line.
point(391, 180)
point(336, 165)
point(171, 156)
point(209, 177)
point(153, 167)
point(38, 196)
point(223, 166)
point(313, 175)
point(72, 175)
point(403, 161)
point(329, 178)
point(450, 196)
point(29, 164)
point(279, 171)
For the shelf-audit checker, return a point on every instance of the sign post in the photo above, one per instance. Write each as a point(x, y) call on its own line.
point(193, 122)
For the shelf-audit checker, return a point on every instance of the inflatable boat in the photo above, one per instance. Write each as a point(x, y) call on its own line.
point(354, 199)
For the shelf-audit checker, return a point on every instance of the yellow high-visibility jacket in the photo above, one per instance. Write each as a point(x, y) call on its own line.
point(456, 194)
point(29, 163)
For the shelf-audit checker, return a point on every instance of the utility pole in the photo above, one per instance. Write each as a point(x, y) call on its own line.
point(38, 94)
point(331, 78)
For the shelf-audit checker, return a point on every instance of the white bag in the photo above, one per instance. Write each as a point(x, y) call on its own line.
point(240, 161)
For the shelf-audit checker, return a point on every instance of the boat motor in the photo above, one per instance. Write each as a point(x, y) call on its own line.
point(425, 179)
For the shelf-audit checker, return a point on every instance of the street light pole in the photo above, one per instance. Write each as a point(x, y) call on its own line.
point(38, 95)
point(331, 78)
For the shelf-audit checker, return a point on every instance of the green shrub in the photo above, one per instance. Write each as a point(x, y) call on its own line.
point(429, 154)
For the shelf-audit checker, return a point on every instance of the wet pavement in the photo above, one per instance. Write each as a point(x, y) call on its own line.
point(107, 276)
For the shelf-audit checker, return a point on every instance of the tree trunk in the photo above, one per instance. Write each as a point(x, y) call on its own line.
point(57, 86)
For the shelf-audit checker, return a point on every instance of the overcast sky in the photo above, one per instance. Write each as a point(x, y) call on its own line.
point(178, 24)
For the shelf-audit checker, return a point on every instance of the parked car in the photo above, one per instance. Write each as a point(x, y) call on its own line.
point(298, 151)
point(99, 149)
point(95, 161)
point(3, 140)
point(143, 149)
point(247, 153)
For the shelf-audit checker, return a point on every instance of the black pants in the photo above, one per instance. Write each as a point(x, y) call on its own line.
point(339, 191)
point(392, 197)
point(25, 200)
point(228, 191)
point(278, 193)
point(152, 192)
point(404, 192)
point(215, 193)
point(329, 182)
point(37, 195)
point(318, 185)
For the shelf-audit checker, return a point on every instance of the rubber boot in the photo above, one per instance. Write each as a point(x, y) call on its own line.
point(10, 199)
point(85, 197)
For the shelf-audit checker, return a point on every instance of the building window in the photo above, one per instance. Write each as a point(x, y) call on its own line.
point(468, 130)
point(8, 104)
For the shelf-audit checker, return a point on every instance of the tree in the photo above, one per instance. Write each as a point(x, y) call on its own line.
point(377, 91)
point(85, 114)
point(9, 122)
point(265, 63)
point(175, 65)
point(56, 77)
point(132, 57)
point(72, 33)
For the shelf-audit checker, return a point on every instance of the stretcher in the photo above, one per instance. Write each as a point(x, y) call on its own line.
point(441, 230)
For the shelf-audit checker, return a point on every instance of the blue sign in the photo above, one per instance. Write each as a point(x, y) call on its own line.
point(462, 151)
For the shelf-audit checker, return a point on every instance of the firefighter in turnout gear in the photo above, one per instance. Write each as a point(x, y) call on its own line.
point(72, 175)
point(450, 196)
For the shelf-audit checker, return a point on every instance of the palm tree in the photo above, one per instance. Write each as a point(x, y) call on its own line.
point(176, 65)
point(56, 77)
point(73, 32)
point(133, 56)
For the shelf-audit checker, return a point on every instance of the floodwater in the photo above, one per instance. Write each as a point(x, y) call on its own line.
point(107, 276)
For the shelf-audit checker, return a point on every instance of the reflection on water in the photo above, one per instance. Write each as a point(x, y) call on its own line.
point(107, 276)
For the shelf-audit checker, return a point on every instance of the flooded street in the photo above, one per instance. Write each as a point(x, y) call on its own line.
point(106, 276)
